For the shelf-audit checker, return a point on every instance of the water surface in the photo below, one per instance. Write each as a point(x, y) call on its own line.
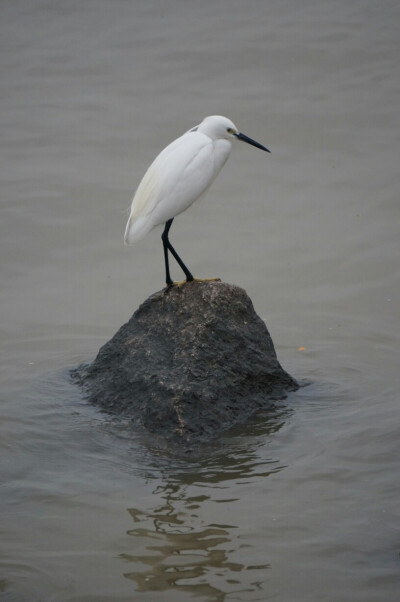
point(301, 503)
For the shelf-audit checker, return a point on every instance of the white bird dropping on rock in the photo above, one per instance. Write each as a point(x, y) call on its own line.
point(178, 176)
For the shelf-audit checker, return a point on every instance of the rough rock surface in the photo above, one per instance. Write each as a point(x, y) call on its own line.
point(190, 363)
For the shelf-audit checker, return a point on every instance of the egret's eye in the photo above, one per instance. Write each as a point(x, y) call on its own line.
point(229, 130)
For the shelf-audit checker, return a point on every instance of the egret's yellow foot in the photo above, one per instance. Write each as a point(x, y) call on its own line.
point(179, 284)
point(207, 279)
point(183, 282)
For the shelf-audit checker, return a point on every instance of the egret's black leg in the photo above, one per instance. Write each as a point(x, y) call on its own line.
point(164, 237)
point(168, 247)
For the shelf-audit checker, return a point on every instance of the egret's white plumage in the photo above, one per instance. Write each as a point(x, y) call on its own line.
point(179, 175)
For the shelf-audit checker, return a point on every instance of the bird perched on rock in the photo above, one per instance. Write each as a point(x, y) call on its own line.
point(178, 176)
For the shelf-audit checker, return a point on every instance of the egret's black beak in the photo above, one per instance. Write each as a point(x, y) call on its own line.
point(241, 136)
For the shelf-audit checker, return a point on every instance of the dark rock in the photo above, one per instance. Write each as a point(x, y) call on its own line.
point(190, 363)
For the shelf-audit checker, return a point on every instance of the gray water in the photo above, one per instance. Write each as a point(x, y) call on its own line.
point(301, 504)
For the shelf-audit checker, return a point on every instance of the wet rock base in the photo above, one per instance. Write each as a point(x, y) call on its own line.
point(190, 363)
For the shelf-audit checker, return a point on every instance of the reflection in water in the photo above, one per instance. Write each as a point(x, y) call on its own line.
point(178, 546)
point(180, 557)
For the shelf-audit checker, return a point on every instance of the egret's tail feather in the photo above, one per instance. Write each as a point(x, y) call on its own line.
point(137, 229)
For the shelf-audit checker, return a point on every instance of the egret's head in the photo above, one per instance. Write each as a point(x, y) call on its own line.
point(217, 127)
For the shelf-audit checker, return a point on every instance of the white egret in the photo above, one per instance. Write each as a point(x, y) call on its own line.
point(178, 176)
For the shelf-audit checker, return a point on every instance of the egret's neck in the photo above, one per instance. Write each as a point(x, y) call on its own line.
point(222, 151)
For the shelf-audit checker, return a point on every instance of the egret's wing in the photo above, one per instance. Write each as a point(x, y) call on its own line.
point(175, 179)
